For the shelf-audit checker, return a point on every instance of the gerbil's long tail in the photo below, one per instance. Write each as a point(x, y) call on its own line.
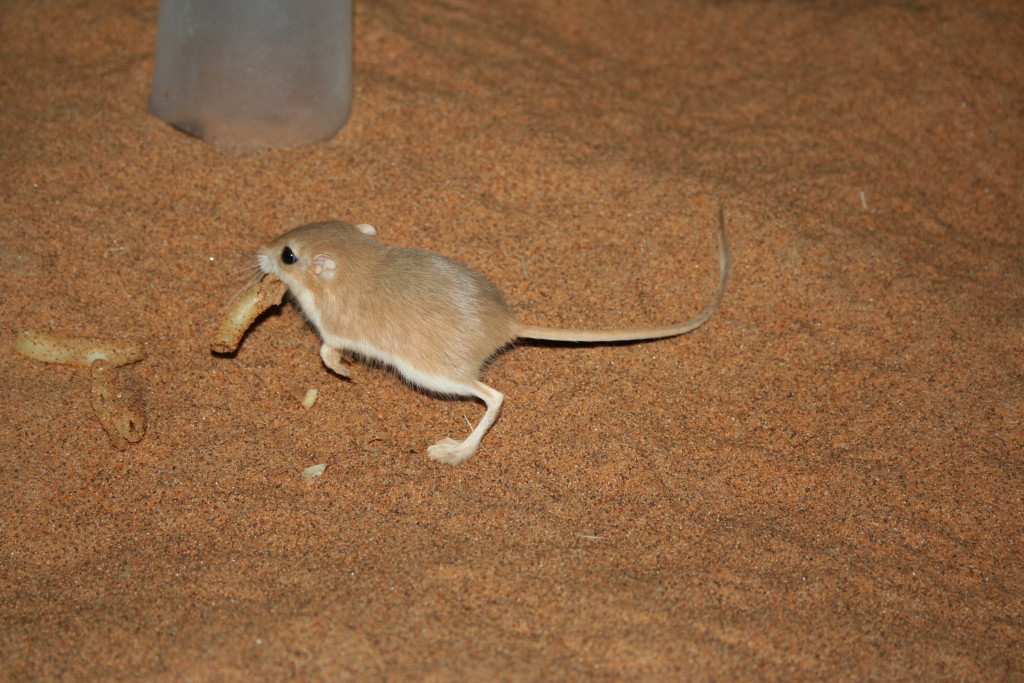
point(636, 334)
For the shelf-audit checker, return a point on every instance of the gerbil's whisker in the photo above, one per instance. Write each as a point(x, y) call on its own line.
point(251, 268)
point(252, 282)
point(237, 251)
point(232, 256)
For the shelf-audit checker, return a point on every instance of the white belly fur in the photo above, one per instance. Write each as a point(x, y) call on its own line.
point(409, 373)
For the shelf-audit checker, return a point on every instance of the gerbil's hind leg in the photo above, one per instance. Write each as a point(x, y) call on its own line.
point(332, 359)
point(453, 452)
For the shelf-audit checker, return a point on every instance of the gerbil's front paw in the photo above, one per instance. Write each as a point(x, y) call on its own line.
point(335, 360)
point(341, 369)
point(450, 451)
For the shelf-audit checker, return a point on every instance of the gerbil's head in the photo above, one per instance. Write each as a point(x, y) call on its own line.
point(309, 256)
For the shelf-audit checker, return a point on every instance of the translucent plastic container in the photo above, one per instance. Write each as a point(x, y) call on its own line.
point(253, 74)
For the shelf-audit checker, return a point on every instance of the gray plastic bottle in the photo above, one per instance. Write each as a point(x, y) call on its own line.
point(253, 74)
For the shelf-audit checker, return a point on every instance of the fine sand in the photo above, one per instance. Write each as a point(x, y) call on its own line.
point(822, 482)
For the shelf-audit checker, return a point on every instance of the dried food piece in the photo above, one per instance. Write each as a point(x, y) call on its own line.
point(117, 401)
point(253, 301)
point(116, 390)
point(310, 398)
point(311, 473)
point(52, 348)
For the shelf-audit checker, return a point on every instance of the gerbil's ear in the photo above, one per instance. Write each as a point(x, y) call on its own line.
point(324, 266)
point(366, 229)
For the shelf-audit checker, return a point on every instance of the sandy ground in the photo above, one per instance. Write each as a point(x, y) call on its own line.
point(822, 482)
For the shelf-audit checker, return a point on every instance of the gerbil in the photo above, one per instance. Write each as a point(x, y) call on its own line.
point(432, 319)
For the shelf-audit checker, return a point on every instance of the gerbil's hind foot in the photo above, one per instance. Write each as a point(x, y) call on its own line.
point(450, 451)
point(453, 452)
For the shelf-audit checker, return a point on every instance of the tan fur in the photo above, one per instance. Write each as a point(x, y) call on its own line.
point(432, 319)
point(433, 312)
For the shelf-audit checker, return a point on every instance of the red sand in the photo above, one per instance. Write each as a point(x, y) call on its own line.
point(823, 482)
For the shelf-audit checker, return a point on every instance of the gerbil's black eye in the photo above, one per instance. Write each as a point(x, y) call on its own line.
point(288, 256)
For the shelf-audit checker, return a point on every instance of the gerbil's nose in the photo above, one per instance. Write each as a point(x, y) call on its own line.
point(265, 263)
